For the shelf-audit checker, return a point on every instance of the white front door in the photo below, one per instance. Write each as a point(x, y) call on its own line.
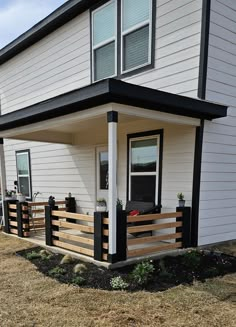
point(102, 173)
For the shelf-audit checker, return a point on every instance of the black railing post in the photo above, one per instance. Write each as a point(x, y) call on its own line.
point(7, 228)
point(6, 215)
point(186, 228)
point(70, 207)
point(48, 222)
point(99, 238)
point(19, 219)
point(121, 238)
point(25, 219)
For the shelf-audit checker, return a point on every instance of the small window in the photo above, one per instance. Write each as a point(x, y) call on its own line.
point(144, 169)
point(136, 34)
point(24, 173)
point(104, 21)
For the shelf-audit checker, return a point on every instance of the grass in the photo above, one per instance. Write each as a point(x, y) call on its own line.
point(28, 298)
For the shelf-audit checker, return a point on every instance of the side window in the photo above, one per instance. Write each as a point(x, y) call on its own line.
point(24, 172)
point(104, 41)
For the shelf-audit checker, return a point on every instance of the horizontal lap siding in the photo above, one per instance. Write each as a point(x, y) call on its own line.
point(177, 48)
point(57, 64)
point(57, 170)
point(218, 179)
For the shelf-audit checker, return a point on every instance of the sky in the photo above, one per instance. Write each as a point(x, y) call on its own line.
point(17, 16)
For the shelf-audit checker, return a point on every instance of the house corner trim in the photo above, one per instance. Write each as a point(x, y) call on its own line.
point(205, 31)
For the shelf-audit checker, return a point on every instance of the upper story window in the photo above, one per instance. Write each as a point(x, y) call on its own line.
point(121, 37)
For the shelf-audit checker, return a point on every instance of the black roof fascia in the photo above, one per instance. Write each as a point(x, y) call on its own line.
point(56, 19)
point(116, 91)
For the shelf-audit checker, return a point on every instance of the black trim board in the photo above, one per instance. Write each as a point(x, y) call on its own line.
point(107, 91)
point(206, 13)
point(196, 183)
point(159, 132)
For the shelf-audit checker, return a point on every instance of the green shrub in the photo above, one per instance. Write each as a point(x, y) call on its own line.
point(33, 255)
point(56, 272)
point(78, 280)
point(142, 272)
point(117, 283)
point(46, 257)
point(192, 259)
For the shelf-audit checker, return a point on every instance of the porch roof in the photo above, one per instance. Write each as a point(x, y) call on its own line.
point(112, 91)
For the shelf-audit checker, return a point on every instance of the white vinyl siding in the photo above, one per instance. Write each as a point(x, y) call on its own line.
point(57, 64)
point(61, 62)
point(217, 220)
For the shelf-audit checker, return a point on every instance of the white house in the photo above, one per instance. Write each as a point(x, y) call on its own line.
point(136, 87)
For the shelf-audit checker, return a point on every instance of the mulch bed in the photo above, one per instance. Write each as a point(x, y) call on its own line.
point(169, 271)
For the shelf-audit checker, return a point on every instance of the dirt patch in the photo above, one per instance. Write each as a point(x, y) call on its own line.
point(168, 272)
point(29, 298)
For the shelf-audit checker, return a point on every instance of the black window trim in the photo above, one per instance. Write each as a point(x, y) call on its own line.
point(118, 69)
point(160, 133)
point(30, 175)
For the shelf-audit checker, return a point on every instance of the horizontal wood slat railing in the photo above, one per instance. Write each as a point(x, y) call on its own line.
point(71, 215)
point(76, 237)
point(157, 216)
point(144, 245)
point(154, 227)
point(37, 213)
point(33, 204)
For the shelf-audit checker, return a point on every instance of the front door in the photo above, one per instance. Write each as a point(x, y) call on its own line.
point(102, 173)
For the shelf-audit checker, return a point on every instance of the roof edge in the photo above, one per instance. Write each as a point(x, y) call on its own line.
point(112, 90)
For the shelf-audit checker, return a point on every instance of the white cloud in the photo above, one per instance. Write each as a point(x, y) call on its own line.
point(17, 16)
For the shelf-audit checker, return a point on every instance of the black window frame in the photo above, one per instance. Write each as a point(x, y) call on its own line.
point(118, 68)
point(30, 174)
point(154, 133)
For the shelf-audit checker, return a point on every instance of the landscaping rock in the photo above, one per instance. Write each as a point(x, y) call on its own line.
point(67, 259)
point(45, 252)
point(79, 268)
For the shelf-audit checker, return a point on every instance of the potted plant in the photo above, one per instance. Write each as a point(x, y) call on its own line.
point(20, 197)
point(180, 197)
point(10, 195)
point(119, 204)
point(101, 205)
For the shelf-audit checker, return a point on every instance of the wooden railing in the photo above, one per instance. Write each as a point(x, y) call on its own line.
point(74, 237)
point(37, 214)
point(16, 219)
point(145, 245)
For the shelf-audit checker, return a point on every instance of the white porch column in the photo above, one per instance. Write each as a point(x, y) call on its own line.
point(3, 178)
point(112, 119)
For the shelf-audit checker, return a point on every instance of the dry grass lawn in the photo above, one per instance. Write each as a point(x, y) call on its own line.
point(27, 298)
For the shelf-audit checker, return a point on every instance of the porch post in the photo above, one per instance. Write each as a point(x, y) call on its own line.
point(112, 120)
point(3, 179)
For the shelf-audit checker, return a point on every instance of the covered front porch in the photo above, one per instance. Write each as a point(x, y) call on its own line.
point(145, 147)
